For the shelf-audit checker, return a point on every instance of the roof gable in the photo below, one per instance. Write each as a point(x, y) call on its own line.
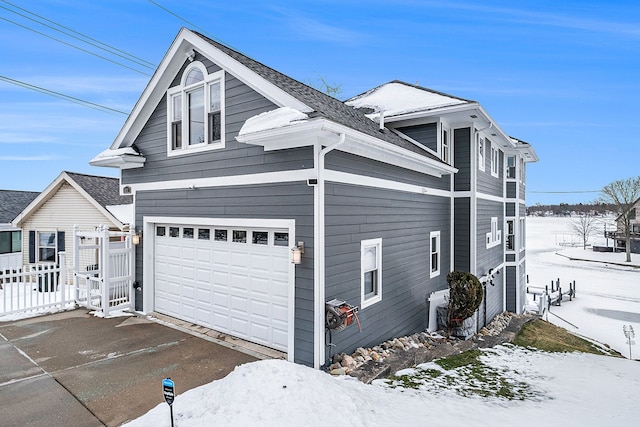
point(13, 202)
point(100, 191)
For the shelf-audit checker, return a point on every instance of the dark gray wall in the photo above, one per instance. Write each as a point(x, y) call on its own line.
point(345, 162)
point(489, 257)
point(278, 201)
point(461, 234)
point(462, 159)
point(403, 221)
point(494, 297)
point(426, 134)
point(487, 183)
point(511, 281)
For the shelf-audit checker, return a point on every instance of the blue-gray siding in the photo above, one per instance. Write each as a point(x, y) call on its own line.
point(426, 134)
point(511, 280)
point(461, 234)
point(281, 201)
point(345, 162)
point(403, 221)
point(489, 257)
point(462, 159)
point(494, 296)
point(487, 183)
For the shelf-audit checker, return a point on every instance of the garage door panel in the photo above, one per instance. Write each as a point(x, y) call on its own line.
point(239, 288)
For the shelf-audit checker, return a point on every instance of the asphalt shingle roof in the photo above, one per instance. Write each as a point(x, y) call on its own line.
point(104, 190)
point(323, 104)
point(13, 202)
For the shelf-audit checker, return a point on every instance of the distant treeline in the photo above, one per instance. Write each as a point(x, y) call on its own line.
point(566, 209)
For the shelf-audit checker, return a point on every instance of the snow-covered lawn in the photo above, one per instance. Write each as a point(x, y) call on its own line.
point(23, 299)
point(559, 389)
point(608, 295)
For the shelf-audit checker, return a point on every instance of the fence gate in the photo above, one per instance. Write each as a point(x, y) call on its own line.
point(104, 269)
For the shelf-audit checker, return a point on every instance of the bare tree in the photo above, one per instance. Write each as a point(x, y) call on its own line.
point(323, 85)
point(584, 226)
point(623, 194)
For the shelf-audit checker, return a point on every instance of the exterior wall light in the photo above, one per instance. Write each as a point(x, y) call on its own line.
point(296, 253)
point(135, 238)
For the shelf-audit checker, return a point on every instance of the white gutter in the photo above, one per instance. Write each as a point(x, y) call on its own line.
point(319, 254)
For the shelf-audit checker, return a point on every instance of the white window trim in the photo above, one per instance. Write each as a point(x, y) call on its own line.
point(364, 244)
point(38, 247)
point(434, 272)
point(495, 161)
point(217, 77)
point(481, 142)
point(445, 143)
point(494, 237)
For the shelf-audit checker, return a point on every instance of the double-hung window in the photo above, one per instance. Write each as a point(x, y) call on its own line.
point(371, 272)
point(511, 167)
point(511, 235)
point(434, 260)
point(495, 160)
point(47, 246)
point(196, 111)
point(481, 153)
point(446, 147)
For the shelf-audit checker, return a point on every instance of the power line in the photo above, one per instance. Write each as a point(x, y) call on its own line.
point(62, 96)
point(564, 192)
point(202, 30)
point(75, 47)
point(100, 45)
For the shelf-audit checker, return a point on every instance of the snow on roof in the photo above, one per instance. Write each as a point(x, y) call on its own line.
point(109, 153)
point(123, 213)
point(399, 98)
point(278, 118)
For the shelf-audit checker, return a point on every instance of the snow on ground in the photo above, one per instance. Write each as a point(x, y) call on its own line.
point(565, 389)
point(608, 294)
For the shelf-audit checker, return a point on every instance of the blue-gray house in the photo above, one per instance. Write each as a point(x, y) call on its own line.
point(260, 198)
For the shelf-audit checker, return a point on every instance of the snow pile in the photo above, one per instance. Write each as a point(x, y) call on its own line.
point(280, 117)
point(275, 392)
point(398, 98)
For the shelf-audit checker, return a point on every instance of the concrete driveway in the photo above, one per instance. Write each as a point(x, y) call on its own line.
point(74, 369)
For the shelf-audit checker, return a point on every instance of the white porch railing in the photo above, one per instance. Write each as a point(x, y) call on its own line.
point(36, 287)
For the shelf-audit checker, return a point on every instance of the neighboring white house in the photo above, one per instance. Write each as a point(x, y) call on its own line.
point(11, 204)
point(87, 201)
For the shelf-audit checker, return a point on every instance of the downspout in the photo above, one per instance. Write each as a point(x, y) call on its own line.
point(319, 255)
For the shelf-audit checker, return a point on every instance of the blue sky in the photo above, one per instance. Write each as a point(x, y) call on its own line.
point(563, 76)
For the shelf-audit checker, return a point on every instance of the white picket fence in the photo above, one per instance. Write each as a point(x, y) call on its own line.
point(36, 287)
point(101, 277)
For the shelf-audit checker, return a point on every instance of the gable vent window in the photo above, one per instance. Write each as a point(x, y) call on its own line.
point(195, 111)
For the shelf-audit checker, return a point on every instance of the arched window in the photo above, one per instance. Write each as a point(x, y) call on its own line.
point(195, 111)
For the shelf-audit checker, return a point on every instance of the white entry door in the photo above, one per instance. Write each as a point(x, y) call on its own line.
point(231, 279)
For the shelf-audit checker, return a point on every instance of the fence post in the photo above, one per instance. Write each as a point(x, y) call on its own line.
point(62, 278)
point(105, 270)
point(76, 263)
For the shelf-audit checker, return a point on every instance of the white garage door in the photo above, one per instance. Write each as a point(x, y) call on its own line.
point(231, 279)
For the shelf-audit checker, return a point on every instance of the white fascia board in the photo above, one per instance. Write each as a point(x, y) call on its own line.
point(173, 60)
point(456, 110)
point(124, 161)
point(326, 132)
point(38, 201)
point(50, 191)
point(376, 149)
